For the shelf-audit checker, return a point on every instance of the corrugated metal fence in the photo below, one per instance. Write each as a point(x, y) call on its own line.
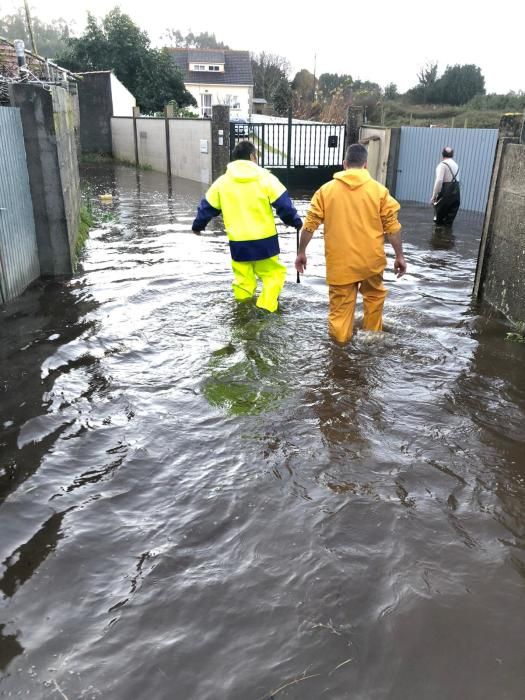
point(420, 152)
point(19, 264)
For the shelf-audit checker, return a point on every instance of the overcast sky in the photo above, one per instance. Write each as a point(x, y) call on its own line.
point(380, 41)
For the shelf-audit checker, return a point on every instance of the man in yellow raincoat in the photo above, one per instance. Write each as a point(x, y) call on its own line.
point(244, 196)
point(357, 213)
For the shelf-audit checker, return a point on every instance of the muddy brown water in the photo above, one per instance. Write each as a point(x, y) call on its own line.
point(200, 501)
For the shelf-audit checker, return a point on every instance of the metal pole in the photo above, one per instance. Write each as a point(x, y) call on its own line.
point(168, 113)
point(136, 113)
point(30, 27)
point(289, 147)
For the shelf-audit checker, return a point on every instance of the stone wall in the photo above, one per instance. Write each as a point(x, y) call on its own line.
point(48, 121)
point(500, 277)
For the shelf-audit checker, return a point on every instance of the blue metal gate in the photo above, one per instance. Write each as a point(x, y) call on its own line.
point(420, 152)
point(19, 264)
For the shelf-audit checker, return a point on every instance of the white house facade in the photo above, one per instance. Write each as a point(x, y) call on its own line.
point(217, 77)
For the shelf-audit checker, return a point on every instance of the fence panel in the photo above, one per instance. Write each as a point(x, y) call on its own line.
point(19, 264)
point(420, 152)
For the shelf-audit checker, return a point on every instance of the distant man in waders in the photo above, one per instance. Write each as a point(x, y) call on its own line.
point(244, 196)
point(357, 213)
point(445, 196)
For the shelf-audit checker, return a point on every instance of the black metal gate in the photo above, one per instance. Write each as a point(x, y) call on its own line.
point(301, 155)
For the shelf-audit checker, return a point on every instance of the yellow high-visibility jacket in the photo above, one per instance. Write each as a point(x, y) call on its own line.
point(357, 211)
point(244, 196)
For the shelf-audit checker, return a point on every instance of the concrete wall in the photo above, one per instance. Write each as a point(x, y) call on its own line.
point(96, 110)
point(122, 99)
point(122, 139)
point(500, 277)
point(223, 95)
point(48, 123)
point(190, 145)
point(64, 121)
point(377, 140)
point(151, 139)
point(187, 159)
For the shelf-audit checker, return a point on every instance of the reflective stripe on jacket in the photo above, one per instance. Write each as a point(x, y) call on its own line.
point(245, 195)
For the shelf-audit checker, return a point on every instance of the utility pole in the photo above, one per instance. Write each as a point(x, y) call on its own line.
point(30, 27)
point(315, 67)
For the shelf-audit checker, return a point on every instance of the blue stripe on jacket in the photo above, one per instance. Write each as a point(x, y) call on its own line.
point(286, 211)
point(249, 251)
point(205, 214)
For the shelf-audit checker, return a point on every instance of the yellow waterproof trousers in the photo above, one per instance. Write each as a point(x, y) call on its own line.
point(342, 307)
point(270, 271)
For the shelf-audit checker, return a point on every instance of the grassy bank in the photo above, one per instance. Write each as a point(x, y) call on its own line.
point(400, 114)
point(84, 225)
point(102, 159)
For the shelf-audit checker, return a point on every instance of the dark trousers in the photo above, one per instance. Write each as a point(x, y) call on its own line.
point(447, 205)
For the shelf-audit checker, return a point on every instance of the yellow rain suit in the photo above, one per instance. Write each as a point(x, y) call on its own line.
point(245, 195)
point(357, 211)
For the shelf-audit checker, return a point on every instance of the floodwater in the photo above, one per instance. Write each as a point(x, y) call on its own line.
point(200, 501)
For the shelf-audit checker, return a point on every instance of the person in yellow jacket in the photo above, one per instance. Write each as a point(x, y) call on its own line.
point(244, 196)
point(357, 213)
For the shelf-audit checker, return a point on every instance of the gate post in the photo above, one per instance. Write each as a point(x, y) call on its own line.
point(136, 115)
point(393, 159)
point(220, 140)
point(289, 147)
point(168, 114)
point(354, 121)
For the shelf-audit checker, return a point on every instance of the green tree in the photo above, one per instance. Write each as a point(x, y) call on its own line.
point(458, 85)
point(329, 83)
point(427, 75)
point(118, 44)
point(50, 38)
point(390, 92)
point(282, 98)
point(304, 84)
point(425, 90)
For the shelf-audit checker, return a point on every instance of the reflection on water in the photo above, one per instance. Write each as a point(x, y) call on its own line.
point(9, 648)
point(442, 238)
point(203, 499)
point(248, 375)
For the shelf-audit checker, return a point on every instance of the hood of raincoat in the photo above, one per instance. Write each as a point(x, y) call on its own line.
point(244, 170)
point(353, 177)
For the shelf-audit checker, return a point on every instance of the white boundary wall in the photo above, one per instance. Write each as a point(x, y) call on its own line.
point(186, 138)
point(151, 137)
point(122, 138)
point(190, 145)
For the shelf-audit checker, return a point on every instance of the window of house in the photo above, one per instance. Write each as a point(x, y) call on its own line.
point(206, 105)
point(213, 67)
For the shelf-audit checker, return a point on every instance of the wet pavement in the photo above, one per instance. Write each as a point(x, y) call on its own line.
point(202, 501)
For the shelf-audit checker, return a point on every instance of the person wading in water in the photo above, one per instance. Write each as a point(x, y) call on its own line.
point(244, 196)
point(445, 196)
point(357, 212)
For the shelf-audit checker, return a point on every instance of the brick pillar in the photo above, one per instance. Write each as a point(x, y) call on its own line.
point(220, 140)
